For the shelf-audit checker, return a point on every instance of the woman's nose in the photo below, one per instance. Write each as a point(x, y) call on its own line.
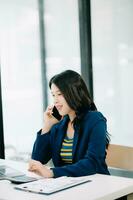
point(55, 99)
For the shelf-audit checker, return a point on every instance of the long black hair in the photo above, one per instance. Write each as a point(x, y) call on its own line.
point(76, 94)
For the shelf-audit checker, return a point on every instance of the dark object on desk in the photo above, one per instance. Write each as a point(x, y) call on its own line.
point(21, 179)
point(13, 175)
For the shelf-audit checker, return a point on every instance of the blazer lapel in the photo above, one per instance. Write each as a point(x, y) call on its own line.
point(75, 142)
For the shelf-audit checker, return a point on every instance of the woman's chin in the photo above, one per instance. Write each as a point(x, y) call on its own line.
point(62, 113)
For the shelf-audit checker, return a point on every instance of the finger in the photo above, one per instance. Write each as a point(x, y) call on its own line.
point(49, 113)
point(33, 166)
point(49, 108)
point(31, 163)
point(37, 172)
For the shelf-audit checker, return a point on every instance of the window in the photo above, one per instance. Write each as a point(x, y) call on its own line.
point(112, 47)
point(22, 92)
point(61, 36)
point(21, 76)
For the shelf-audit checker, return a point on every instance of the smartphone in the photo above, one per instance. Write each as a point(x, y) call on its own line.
point(56, 114)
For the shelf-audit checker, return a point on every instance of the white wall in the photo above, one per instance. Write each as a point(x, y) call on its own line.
point(62, 36)
point(21, 75)
point(112, 43)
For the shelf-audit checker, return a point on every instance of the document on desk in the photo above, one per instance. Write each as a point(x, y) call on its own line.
point(52, 185)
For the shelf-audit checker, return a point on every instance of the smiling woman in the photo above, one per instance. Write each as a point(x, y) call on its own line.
point(77, 143)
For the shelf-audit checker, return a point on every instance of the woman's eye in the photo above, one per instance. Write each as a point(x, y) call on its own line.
point(59, 94)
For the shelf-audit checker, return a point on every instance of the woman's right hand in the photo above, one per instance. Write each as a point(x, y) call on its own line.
point(49, 120)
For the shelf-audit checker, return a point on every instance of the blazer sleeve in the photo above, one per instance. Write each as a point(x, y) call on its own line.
point(42, 148)
point(94, 159)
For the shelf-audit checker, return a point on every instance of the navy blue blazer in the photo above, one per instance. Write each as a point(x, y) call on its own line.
point(89, 147)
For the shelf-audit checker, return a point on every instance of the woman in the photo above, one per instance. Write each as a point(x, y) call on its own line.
point(77, 143)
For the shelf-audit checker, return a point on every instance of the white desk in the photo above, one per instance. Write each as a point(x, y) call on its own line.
point(102, 187)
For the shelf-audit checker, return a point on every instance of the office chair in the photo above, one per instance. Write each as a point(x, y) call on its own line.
point(120, 160)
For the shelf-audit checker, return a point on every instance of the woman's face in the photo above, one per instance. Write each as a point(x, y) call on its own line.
point(60, 102)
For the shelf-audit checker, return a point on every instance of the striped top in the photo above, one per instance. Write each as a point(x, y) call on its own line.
point(66, 150)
